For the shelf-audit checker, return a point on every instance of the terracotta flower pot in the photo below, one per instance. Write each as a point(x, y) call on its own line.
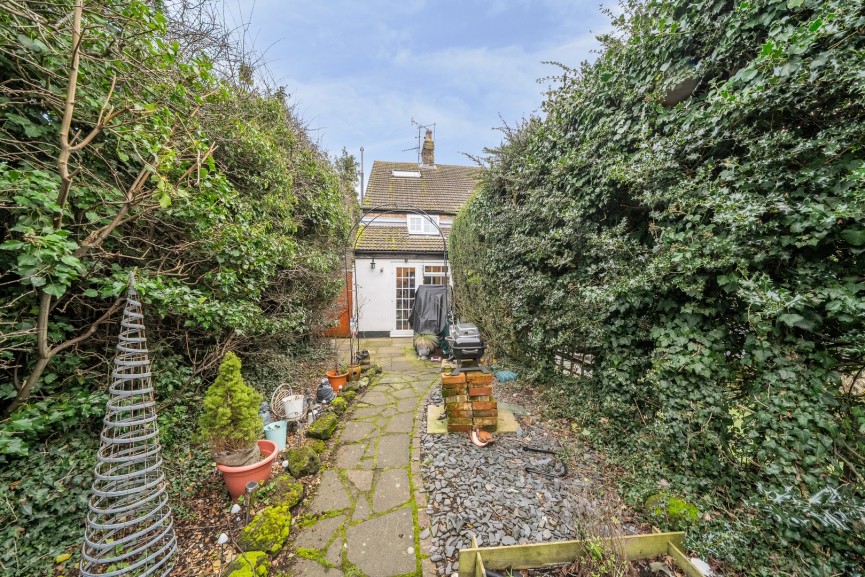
point(336, 380)
point(354, 372)
point(236, 478)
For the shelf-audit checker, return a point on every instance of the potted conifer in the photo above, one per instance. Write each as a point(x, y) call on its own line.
point(232, 426)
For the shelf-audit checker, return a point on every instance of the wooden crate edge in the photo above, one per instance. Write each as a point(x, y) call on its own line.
point(534, 555)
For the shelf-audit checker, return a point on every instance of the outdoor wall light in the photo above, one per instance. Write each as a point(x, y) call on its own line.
point(372, 265)
point(251, 488)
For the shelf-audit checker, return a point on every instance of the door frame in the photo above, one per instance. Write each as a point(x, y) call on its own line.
point(395, 264)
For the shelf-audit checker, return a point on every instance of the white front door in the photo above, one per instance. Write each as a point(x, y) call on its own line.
point(405, 282)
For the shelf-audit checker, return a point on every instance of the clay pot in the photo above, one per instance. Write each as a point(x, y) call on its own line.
point(336, 380)
point(354, 372)
point(236, 478)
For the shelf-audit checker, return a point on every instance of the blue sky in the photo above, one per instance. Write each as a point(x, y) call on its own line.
point(359, 72)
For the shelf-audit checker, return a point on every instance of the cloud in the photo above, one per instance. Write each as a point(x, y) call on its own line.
point(359, 72)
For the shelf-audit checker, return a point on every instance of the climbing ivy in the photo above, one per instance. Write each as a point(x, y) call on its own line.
point(690, 213)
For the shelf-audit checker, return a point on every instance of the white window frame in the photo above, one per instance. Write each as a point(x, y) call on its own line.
point(430, 274)
point(419, 224)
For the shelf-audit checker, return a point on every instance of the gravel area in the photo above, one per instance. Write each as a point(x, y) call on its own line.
point(486, 492)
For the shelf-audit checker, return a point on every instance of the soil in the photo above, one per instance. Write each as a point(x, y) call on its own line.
point(206, 511)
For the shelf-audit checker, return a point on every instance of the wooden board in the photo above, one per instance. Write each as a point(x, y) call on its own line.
point(682, 561)
point(536, 555)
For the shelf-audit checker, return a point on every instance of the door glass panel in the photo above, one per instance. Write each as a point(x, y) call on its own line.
point(405, 285)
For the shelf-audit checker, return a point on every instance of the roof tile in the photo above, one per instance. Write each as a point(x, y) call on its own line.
point(442, 188)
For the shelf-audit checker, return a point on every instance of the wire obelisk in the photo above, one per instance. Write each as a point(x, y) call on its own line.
point(130, 530)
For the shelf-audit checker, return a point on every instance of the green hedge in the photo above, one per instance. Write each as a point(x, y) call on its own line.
point(205, 183)
point(708, 254)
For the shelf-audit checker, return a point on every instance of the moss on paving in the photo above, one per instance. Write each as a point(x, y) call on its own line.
point(249, 564)
point(267, 531)
point(303, 461)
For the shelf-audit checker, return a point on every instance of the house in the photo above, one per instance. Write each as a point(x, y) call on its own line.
point(408, 209)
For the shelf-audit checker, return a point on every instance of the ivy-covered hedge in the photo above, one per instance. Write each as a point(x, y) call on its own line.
point(690, 212)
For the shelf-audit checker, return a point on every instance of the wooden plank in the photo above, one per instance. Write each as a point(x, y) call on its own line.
point(682, 561)
point(480, 570)
point(536, 555)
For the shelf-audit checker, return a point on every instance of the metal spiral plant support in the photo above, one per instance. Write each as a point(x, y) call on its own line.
point(130, 530)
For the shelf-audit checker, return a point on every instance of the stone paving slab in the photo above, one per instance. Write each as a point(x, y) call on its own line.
point(331, 495)
point(391, 490)
point(370, 479)
point(309, 568)
point(384, 546)
point(393, 451)
point(319, 535)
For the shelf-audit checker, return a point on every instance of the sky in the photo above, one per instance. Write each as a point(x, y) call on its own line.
point(359, 72)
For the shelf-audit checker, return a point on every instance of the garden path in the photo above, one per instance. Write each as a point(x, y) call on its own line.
point(369, 510)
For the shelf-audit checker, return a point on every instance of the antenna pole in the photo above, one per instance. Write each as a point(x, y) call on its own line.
point(361, 174)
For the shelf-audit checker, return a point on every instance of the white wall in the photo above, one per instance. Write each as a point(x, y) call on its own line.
point(376, 290)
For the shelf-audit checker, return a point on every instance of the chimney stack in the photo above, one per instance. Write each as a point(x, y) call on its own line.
point(427, 154)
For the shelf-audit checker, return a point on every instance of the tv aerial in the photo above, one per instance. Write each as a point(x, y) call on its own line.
point(420, 129)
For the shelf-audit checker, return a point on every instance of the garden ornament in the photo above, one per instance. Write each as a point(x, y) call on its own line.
point(325, 393)
point(129, 528)
point(264, 412)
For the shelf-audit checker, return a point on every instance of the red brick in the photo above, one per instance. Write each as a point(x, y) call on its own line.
point(484, 405)
point(455, 414)
point(481, 398)
point(460, 421)
point(460, 428)
point(454, 380)
point(478, 378)
point(485, 421)
point(451, 390)
point(458, 407)
point(477, 391)
point(457, 399)
point(492, 413)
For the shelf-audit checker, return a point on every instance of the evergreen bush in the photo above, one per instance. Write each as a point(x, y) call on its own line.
point(230, 419)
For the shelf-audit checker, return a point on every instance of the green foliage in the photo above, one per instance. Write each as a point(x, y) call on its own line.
point(706, 254)
point(43, 501)
point(230, 419)
point(267, 531)
point(669, 511)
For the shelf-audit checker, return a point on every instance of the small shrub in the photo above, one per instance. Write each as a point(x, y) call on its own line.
point(230, 420)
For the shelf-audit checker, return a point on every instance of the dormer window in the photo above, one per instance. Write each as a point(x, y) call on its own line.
point(418, 224)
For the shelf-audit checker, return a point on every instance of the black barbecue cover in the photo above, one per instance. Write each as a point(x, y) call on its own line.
point(429, 312)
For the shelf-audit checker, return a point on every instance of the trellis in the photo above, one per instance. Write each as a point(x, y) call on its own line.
point(130, 530)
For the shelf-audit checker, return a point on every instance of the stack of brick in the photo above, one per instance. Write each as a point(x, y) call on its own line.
point(469, 402)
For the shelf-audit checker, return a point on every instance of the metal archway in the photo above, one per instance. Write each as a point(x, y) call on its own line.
point(357, 230)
